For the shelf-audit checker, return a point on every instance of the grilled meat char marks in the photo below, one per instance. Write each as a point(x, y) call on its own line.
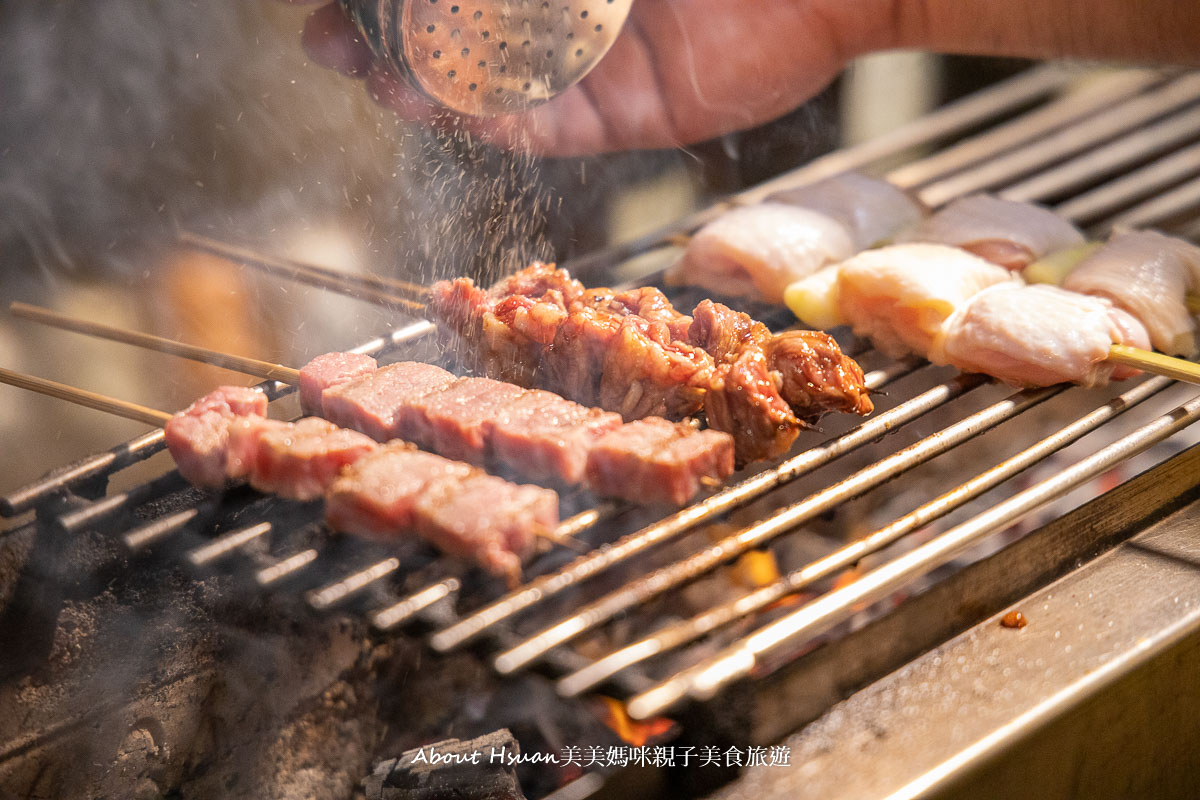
point(633, 353)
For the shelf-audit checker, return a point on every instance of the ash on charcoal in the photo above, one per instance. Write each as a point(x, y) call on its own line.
point(450, 770)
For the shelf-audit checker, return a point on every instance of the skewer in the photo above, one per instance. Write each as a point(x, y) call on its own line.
point(372, 289)
point(100, 402)
point(1145, 360)
point(152, 416)
point(249, 366)
point(1155, 363)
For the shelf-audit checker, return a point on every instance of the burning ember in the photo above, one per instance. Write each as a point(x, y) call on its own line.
point(612, 713)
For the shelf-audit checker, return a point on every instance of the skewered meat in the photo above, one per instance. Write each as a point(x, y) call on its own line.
point(899, 296)
point(668, 459)
point(296, 460)
point(375, 497)
point(378, 402)
point(486, 519)
point(452, 421)
point(768, 384)
point(326, 372)
point(198, 437)
point(756, 251)
point(1038, 335)
point(550, 438)
point(535, 434)
point(873, 211)
point(1149, 275)
point(371, 490)
point(954, 308)
point(459, 509)
point(665, 363)
point(1008, 233)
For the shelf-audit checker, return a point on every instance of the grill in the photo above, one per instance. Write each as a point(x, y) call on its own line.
point(635, 615)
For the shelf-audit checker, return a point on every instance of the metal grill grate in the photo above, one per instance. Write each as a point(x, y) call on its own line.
point(1119, 148)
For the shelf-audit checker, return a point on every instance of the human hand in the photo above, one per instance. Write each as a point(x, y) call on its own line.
point(680, 72)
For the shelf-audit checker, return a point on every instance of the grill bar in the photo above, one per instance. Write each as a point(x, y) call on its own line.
point(675, 525)
point(689, 630)
point(227, 544)
point(1123, 117)
point(704, 680)
point(1123, 153)
point(1132, 186)
point(1176, 201)
point(773, 526)
point(1070, 109)
point(328, 596)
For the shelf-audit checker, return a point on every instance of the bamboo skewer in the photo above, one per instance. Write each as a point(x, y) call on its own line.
point(1155, 363)
point(250, 366)
point(372, 289)
point(100, 402)
point(157, 418)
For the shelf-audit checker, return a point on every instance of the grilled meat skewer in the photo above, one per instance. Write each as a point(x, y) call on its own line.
point(633, 353)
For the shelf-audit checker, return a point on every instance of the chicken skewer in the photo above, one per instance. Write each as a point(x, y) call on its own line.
point(757, 250)
point(953, 307)
point(370, 490)
point(535, 434)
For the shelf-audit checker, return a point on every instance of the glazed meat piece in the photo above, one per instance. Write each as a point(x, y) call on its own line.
point(815, 376)
point(900, 296)
point(1149, 275)
point(659, 460)
point(874, 211)
point(296, 460)
point(645, 373)
point(756, 251)
point(810, 372)
point(198, 437)
point(1004, 232)
point(375, 496)
point(723, 332)
point(486, 520)
point(646, 302)
point(573, 365)
point(376, 403)
point(326, 372)
point(545, 438)
point(745, 402)
point(1039, 335)
point(451, 420)
point(501, 332)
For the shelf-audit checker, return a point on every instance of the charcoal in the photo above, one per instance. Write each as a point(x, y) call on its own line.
point(450, 770)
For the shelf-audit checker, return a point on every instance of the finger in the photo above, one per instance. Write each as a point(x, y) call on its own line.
point(332, 40)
